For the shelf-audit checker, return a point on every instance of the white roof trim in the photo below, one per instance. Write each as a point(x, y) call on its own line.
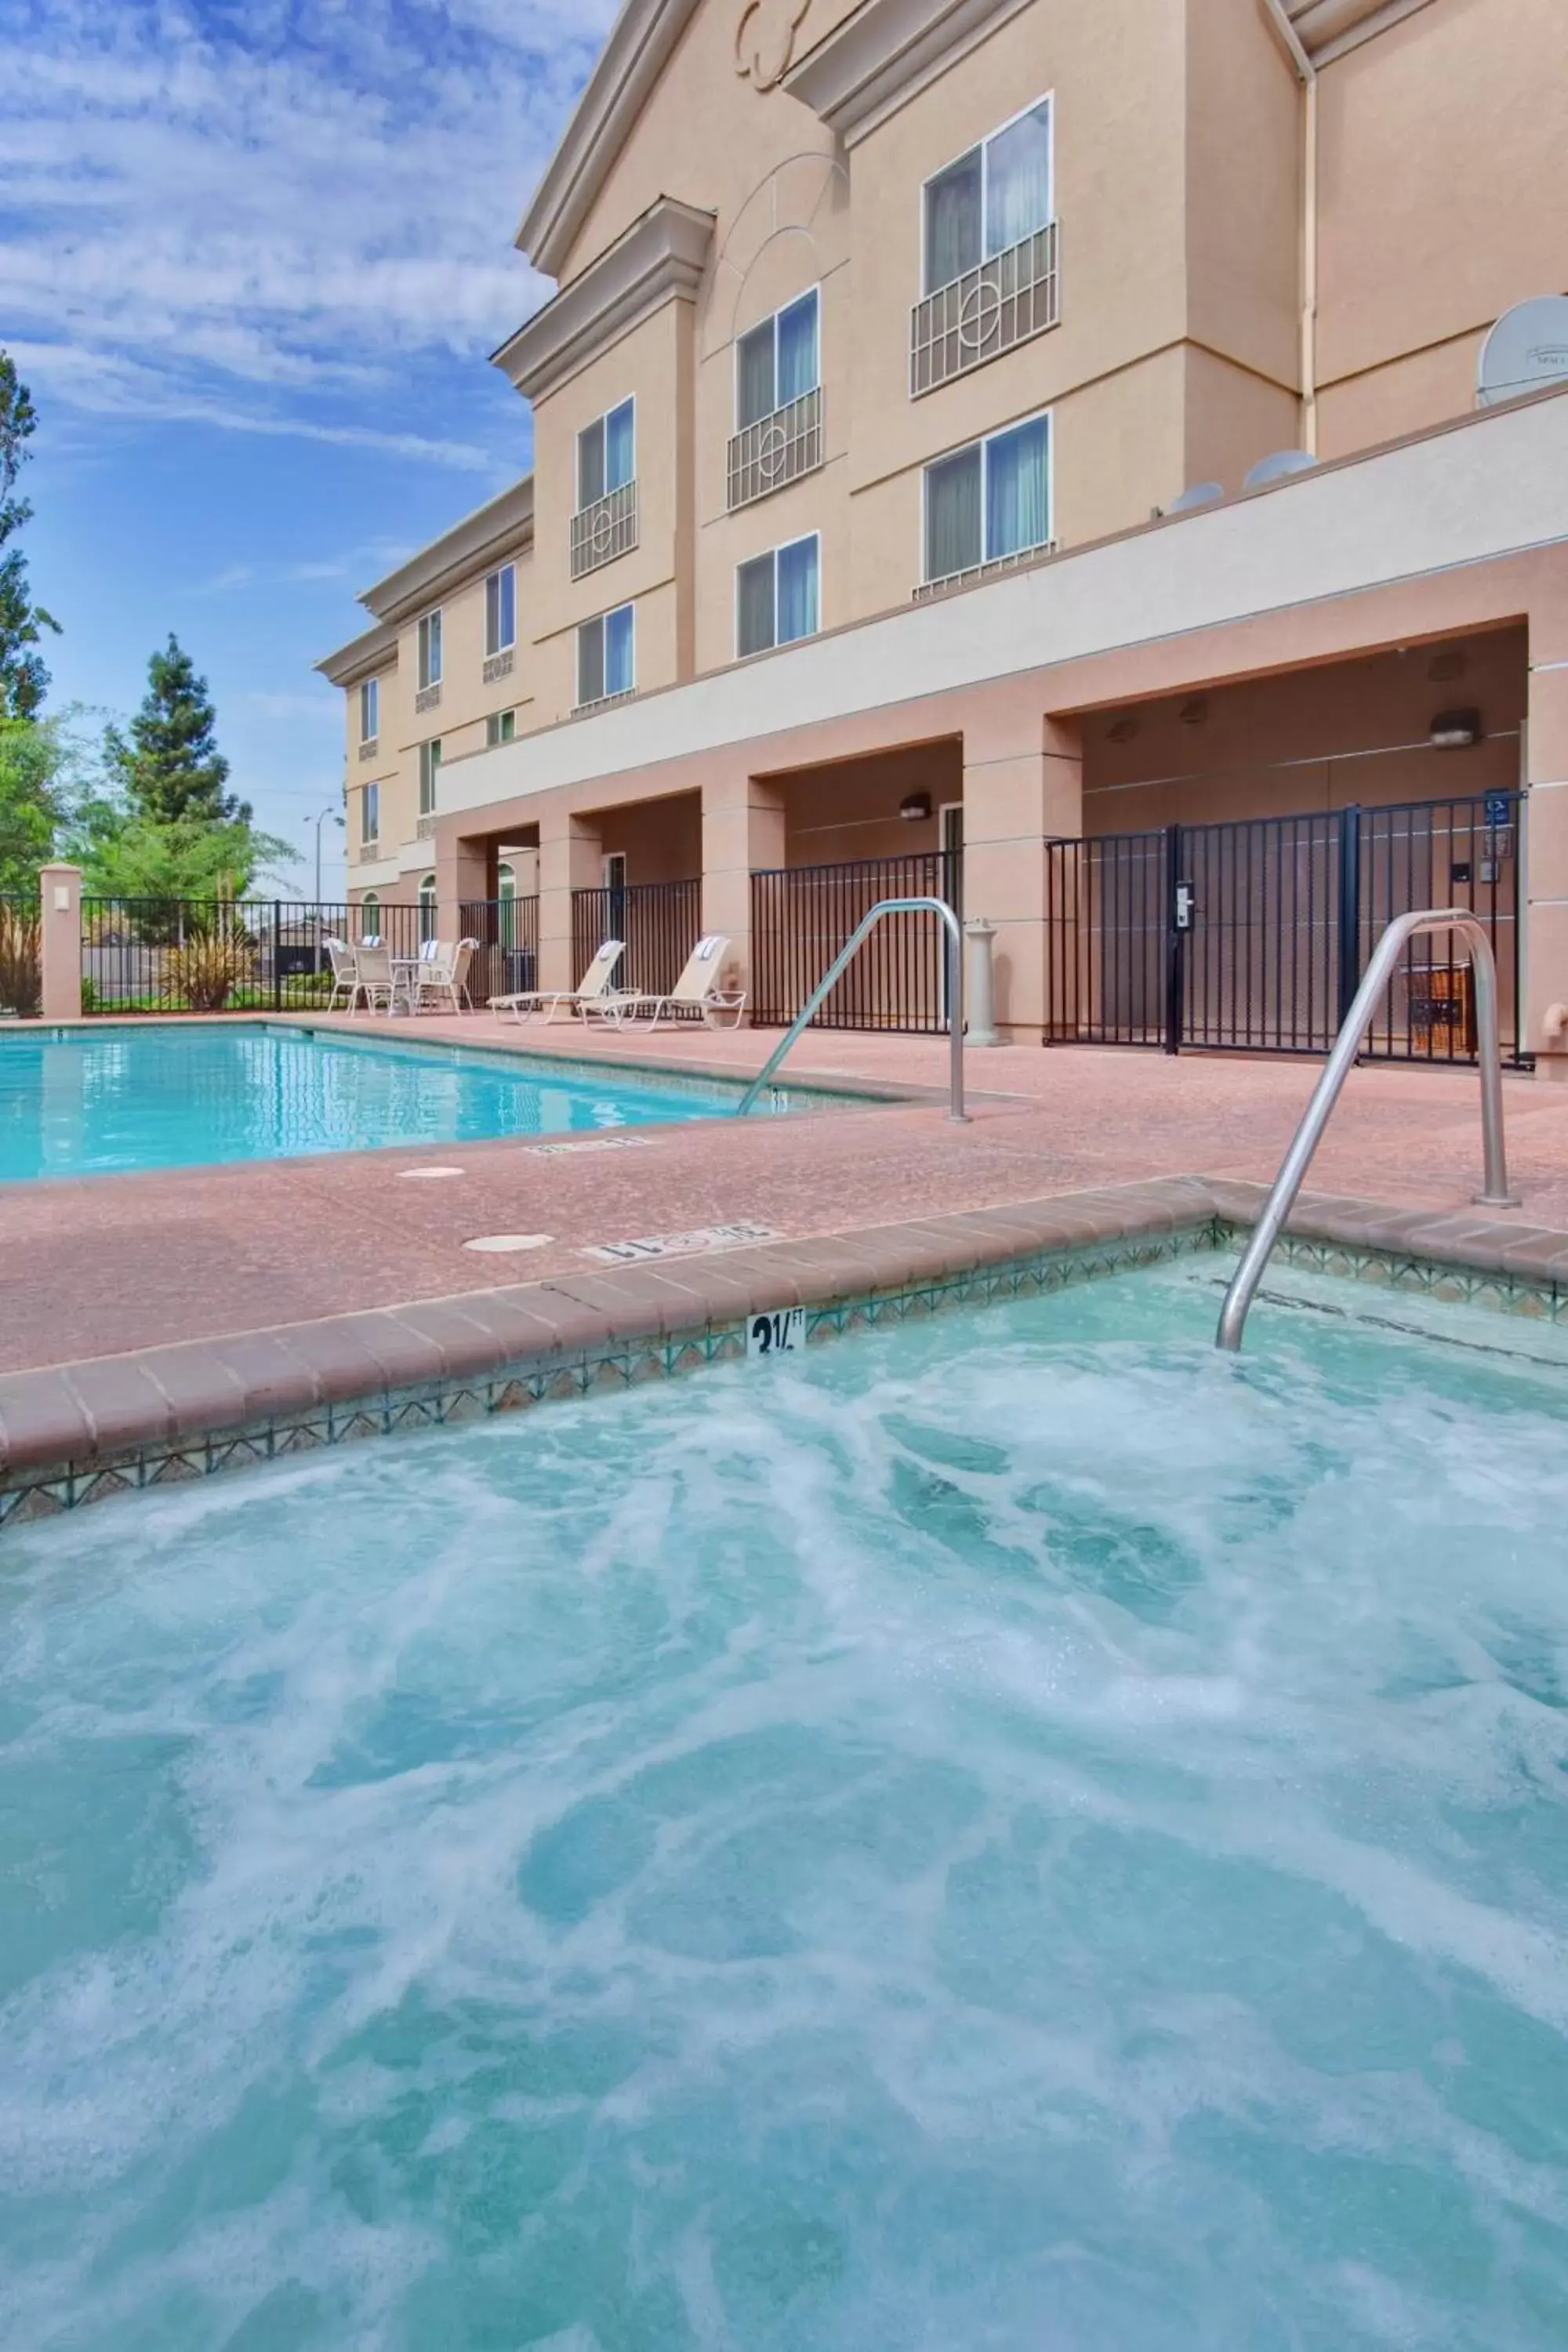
point(1327, 28)
point(661, 257)
point(363, 657)
point(641, 41)
point(885, 54)
point(502, 526)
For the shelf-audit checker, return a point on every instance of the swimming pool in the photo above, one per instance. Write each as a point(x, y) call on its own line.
point(1015, 1830)
point(86, 1102)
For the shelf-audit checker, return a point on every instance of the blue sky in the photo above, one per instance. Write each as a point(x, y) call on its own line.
point(252, 258)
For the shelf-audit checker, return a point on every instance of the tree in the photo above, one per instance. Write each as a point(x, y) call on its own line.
point(33, 760)
point(125, 853)
point(23, 678)
point(171, 769)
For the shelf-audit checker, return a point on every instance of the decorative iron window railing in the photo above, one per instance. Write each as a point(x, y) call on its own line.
point(427, 696)
point(425, 828)
point(776, 449)
point(1006, 299)
point(603, 702)
point(604, 530)
point(498, 665)
point(369, 747)
point(929, 588)
point(367, 852)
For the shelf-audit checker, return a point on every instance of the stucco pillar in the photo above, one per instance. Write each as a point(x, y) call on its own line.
point(742, 835)
point(463, 869)
point(1023, 785)
point(59, 941)
point(1546, 859)
point(570, 858)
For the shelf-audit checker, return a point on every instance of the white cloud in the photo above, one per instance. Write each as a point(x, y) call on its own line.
point(267, 215)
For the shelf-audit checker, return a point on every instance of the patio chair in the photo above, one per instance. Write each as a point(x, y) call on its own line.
point(443, 975)
point(593, 989)
point(696, 992)
point(372, 977)
point(343, 972)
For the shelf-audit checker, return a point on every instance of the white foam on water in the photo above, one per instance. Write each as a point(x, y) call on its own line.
point(1009, 1826)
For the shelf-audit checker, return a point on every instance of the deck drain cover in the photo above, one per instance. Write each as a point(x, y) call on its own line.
point(497, 1244)
point(417, 1175)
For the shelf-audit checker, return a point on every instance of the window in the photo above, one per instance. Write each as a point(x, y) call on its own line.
point(990, 199)
point(429, 769)
point(607, 656)
point(776, 597)
point(430, 651)
point(426, 908)
point(499, 728)
point(500, 610)
point(989, 501)
point(606, 454)
point(370, 813)
point(506, 882)
point(777, 361)
point(370, 710)
point(370, 917)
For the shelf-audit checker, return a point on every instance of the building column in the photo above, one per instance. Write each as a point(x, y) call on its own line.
point(570, 858)
point(1545, 877)
point(463, 871)
point(59, 941)
point(742, 835)
point(1023, 786)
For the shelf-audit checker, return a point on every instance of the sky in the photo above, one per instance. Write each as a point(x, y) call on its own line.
point(252, 258)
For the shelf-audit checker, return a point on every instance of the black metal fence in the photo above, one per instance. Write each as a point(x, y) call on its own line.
point(802, 915)
point(506, 960)
point(253, 955)
point(21, 970)
point(1254, 935)
point(660, 923)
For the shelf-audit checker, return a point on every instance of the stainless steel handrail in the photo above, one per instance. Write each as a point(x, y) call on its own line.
point(846, 956)
point(1347, 1045)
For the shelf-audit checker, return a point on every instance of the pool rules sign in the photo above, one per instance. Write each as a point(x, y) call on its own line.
point(777, 1335)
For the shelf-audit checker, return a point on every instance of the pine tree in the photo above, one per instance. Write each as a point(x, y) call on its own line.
point(172, 767)
point(23, 679)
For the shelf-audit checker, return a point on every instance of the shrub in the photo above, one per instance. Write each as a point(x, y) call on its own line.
point(21, 969)
point(209, 969)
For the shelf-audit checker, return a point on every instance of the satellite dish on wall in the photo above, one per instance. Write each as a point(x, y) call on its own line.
point(1197, 494)
point(1526, 351)
point(1277, 468)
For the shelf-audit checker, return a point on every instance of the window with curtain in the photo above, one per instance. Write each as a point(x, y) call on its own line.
point(370, 917)
point(990, 199)
point(430, 650)
point(370, 813)
point(777, 597)
point(607, 656)
point(606, 454)
point(499, 728)
point(369, 711)
point(500, 610)
point(429, 769)
point(426, 908)
point(777, 361)
point(989, 501)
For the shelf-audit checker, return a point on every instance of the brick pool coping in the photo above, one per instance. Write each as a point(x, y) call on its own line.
point(83, 1432)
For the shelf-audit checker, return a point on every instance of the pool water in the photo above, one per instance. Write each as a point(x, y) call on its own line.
point(78, 1103)
point(1017, 1835)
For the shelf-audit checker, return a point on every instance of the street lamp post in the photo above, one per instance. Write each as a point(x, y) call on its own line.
point(337, 816)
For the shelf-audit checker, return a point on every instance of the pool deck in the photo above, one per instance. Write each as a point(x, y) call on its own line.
point(289, 1261)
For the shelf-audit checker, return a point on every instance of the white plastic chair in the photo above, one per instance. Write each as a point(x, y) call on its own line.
point(593, 989)
point(697, 991)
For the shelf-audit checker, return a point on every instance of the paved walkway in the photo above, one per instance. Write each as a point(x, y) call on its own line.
point(95, 1266)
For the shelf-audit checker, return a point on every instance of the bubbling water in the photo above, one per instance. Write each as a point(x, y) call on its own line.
point(1012, 1833)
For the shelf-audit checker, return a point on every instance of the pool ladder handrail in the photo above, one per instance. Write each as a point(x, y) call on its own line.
point(1341, 1060)
point(841, 962)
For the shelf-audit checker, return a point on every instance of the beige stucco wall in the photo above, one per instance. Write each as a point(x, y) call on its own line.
point(1444, 200)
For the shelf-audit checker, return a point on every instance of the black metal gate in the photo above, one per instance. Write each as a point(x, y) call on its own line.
point(1253, 935)
point(660, 923)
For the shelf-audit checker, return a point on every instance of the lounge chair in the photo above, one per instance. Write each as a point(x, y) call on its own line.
point(443, 975)
point(593, 989)
point(697, 991)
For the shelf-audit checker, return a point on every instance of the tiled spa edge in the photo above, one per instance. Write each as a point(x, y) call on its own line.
point(81, 1433)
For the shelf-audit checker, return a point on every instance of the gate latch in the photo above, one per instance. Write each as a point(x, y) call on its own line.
point(1186, 907)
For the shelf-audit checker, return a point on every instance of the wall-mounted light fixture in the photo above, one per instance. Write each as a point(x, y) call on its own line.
point(914, 806)
point(1455, 731)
